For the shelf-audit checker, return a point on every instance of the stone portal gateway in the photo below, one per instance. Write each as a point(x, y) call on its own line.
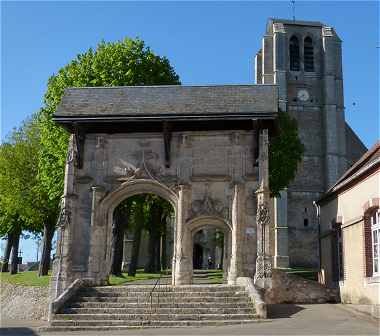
point(203, 149)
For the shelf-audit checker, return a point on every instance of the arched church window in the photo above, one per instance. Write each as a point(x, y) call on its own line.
point(308, 54)
point(294, 53)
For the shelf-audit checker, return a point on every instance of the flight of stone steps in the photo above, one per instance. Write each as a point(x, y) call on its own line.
point(124, 307)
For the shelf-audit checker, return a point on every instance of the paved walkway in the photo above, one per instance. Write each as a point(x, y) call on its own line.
point(326, 319)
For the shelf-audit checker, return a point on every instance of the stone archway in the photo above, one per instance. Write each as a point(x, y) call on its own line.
point(198, 223)
point(101, 230)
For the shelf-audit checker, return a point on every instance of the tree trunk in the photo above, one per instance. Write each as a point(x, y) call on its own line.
point(157, 263)
point(135, 252)
point(7, 253)
point(164, 254)
point(221, 258)
point(118, 243)
point(14, 258)
point(136, 240)
point(49, 229)
point(153, 264)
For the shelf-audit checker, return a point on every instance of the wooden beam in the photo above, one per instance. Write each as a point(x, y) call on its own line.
point(80, 138)
point(256, 137)
point(167, 142)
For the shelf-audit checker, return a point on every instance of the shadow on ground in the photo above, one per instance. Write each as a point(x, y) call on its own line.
point(17, 331)
point(283, 310)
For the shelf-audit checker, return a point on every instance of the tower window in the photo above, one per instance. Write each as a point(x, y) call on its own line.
point(305, 222)
point(308, 54)
point(294, 54)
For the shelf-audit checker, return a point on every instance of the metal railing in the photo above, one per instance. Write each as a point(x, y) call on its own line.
point(159, 286)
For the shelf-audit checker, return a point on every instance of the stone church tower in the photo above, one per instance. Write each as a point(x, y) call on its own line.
point(305, 60)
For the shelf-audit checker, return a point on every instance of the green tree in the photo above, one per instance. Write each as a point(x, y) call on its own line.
point(20, 199)
point(157, 215)
point(285, 153)
point(126, 62)
point(137, 218)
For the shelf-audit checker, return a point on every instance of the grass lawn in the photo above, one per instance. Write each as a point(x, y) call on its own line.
point(307, 273)
point(25, 279)
point(215, 274)
point(32, 279)
point(140, 275)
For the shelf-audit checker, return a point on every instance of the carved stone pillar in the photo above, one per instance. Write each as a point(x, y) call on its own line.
point(237, 224)
point(100, 254)
point(264, 260)
point(182, 259)
point(62, 264)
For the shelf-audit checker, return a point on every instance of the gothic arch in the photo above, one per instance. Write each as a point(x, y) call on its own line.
point(101, 237)
point(196, 224)
point(308, 54)
point(294, 53)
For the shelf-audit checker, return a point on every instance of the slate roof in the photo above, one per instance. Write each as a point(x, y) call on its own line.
point(168, 101)
point(366, 164)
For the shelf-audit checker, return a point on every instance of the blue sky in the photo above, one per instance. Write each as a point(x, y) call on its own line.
point(206, 42)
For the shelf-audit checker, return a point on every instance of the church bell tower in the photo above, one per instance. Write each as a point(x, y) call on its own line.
point(305, 60)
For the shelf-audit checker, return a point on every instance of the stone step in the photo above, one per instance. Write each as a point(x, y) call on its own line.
point(114, 319)
point(162, 299)
point(184, 288)
point(238, 304)
point(155, 310)
point(166, 288)
point(183, 295)
point(70, 325)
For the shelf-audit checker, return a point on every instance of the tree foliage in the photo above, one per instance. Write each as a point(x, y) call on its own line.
point(285, 153)
point(20, 196)
point(23, 203)
point(126, 62)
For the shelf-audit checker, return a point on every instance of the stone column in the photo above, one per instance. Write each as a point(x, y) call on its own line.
point(280, 49)
point(263, 261)
point(281, 248)
point(267, 57)
point(182, 259)
point(237, 224)
point(100, 253)
point(62, 264)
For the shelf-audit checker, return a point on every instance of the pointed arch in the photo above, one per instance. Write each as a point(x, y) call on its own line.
point(308, 54)
point(294, 53)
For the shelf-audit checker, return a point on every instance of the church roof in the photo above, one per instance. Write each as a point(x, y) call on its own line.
point(171, 100)
point(369, 162)
point(296, 22)
point(144, 104)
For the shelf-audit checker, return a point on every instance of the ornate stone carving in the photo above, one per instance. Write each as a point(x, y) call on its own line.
point(262, 214)
point(145, 169)
point(64, 215)
point(71, 150)
point(263, 267)
point(208, 207)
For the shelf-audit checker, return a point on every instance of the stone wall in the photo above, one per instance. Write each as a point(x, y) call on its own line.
point(289, 288)
point(206, 166)
point(24, 303)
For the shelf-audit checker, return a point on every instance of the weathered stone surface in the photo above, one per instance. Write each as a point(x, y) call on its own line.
point(24, 302)
point(289, 288)
point(329, 143)
point(133, 306)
